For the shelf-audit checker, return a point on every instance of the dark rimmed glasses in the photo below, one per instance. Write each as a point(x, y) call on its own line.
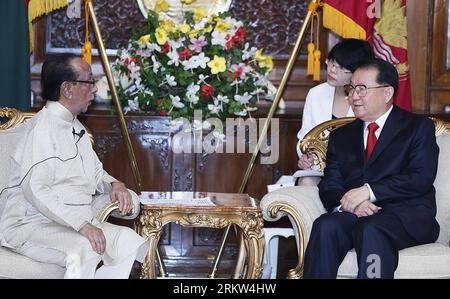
point(92, 81)
point(361, 89)
point(333, 64)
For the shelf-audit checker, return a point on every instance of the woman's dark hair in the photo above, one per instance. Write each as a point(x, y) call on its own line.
point(387, 73)
point(55, 70)
point(351, 53)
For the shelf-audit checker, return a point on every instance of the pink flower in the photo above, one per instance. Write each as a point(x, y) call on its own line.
point(197, 44)
point(239, 70)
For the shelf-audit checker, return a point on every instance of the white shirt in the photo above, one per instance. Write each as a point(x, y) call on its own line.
point(380, 122)
point(318, 109)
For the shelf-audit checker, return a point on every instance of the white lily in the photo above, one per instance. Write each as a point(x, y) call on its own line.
point(171, 80)
point(176, 101)
point(243, 99)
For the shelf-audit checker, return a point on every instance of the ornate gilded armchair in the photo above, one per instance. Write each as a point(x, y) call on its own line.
point(302, 205)
point(13, 265)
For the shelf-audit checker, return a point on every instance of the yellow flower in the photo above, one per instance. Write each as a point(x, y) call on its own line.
point(167, 25)
point(162, 6)
point(223, 26)
point(187, 1)
point(267, 62)
point(217, 65)
point(207, 29)
point(185, 28)
point(161, 36)
point(194, 33)
point(144, 39)
point(259, 55)
point(199, 14)
point(214, 19)
point(263, 60)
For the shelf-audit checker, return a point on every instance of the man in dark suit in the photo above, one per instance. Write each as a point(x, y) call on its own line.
point(378, 183)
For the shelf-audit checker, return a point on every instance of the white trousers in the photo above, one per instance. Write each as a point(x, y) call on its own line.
point(88, 270)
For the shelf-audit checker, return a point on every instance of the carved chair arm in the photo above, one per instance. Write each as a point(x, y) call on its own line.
point(302, 205)
point(104, 213)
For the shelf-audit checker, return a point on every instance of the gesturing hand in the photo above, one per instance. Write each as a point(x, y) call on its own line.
point(354, 198)
point(95, 237)
point(120, 193)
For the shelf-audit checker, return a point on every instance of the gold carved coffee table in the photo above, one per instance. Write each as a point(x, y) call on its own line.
point(184, 209)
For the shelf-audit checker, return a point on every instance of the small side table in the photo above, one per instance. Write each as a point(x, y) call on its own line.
point(229, 208)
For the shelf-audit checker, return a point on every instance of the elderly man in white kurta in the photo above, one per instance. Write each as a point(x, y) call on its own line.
point(61, 186)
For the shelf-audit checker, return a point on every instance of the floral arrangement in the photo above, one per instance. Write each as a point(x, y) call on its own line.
point(202, 64)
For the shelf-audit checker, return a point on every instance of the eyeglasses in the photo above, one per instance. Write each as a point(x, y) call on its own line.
point(333, 64)
point(92, 81)
point(361, 90)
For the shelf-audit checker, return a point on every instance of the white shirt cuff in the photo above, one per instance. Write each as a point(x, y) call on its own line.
point(338, 209)
point(372, 196)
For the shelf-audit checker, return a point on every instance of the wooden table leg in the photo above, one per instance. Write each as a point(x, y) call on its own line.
point(241, 255)
point(151, 229)
point(253, 236)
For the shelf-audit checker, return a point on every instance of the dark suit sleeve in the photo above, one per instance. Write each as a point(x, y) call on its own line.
point(418, 176)
point(331, 187)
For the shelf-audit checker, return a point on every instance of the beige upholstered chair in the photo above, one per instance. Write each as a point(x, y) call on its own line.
point(302, 205)
point(13, 265)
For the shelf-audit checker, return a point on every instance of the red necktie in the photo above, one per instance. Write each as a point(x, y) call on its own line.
point(371, 139)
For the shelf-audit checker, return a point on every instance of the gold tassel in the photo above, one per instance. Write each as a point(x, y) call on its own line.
point(317, 54)
point(86, 50)
point(316, 75)
point(313, 49)
point(310, 68)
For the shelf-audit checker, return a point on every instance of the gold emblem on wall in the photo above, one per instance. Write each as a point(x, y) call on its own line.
point(176, 8)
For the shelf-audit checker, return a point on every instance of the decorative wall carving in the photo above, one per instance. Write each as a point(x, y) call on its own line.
point(176, 180)
point(115, 18)
point(203, 157)
point(272, 25)
point(105, 144)
point(160, 145)
point(151, 125)
point(275, 32)
point(183, 180)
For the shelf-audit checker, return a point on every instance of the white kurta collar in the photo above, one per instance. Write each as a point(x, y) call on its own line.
point(57, 109)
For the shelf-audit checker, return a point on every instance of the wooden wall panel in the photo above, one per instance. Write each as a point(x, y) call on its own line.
point(418, 20)
point(439, 73)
